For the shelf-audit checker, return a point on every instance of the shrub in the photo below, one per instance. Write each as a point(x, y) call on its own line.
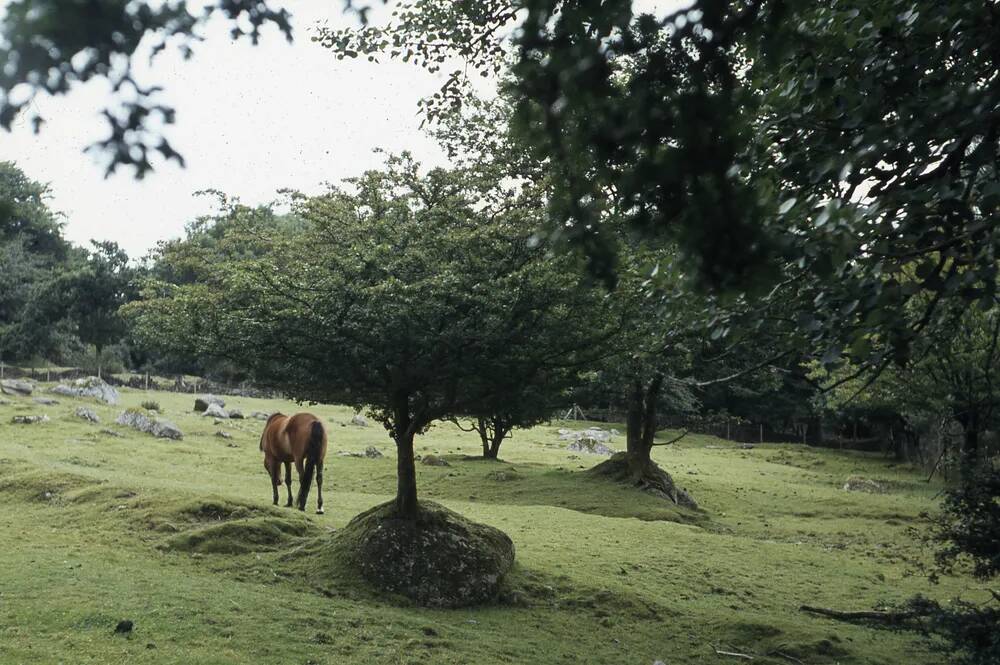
point(151, 405)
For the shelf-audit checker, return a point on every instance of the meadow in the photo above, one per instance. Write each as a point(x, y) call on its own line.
point(101, 523)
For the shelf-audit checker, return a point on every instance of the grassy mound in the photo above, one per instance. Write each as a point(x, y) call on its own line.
point(626, 468)
point(441, 559)
point(238, 536)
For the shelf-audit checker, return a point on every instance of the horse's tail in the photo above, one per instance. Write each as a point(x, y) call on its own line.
point(313, 450)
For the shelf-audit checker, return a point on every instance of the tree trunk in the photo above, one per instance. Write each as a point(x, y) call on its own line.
point(500, 430)
point(641, 425)
point(406, 471)
point(482, 427)
point(98, 348)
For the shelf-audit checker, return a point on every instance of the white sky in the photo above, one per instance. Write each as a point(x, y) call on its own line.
point(250, 120)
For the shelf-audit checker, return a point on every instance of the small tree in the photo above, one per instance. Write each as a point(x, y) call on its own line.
point(405, 297)
point(94, 292)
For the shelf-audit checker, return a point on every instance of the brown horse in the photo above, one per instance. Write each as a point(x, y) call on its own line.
point(301, 439)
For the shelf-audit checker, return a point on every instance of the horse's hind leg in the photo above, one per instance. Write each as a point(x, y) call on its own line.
point(288, 482)
point(319, 488)
point(274, 473)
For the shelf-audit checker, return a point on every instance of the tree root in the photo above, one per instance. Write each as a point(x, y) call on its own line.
point(865, 615)
point(644, 474)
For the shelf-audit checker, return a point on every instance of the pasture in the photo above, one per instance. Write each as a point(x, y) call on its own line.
point(180, 537)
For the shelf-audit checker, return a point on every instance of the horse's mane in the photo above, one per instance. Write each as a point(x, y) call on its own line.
point(269, 419)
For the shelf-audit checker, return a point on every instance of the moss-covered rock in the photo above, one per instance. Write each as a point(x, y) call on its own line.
point(439, 559)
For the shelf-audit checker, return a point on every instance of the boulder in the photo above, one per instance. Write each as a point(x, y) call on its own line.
point(371, 452)
point(260, 415)
point(591, 447)
point(89, 386)
point(29, 420)
point(202, 402)
point(215, 411)
point(138, 420)
point(87, 414)
point(438, 559)
point(359, 420)
point(236, 414)
point(45, 401)
point(859, 484)
point(16, 387)
point(223, 434)
point(434, 460)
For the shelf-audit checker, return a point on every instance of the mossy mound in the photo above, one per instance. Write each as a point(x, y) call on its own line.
point(238, 536)
point(644, 474)
point(439, 559)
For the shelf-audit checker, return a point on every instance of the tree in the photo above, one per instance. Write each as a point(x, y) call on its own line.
point(32, 252)
point(94, 292)
point(403, 297)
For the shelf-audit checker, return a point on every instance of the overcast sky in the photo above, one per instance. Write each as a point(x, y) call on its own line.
point(250, 121)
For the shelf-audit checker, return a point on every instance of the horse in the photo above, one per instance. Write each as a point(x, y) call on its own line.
point(301, 439)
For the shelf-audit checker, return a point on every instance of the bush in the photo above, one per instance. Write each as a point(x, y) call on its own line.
point(150, 405)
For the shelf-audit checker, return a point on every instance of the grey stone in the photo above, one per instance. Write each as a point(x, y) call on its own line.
point(591, 447)
point(215, 411)
point(29, 420)
point(359, 420)
point(45, 401)
point(372, 452)
point(222, 434)
point(89, 386)
point(236, 414)
point(16, 387)
point(87, 414)
point(260, 415)
point(138, 420)
point(202, 402)
point(434, 460)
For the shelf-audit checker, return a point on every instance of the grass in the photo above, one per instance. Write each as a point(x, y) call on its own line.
point(180, 537)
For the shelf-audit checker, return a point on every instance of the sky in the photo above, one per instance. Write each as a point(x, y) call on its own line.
point(250, 121)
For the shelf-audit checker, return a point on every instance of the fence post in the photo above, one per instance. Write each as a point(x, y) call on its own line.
point(47, 374)
point(147, 381)
point(762, 432)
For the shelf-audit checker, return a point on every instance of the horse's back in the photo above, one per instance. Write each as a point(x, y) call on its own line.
point(299, 429)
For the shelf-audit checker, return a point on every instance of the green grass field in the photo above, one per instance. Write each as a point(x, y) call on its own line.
point(180, 537)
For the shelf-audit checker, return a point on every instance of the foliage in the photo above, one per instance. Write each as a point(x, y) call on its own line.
point(403, 296)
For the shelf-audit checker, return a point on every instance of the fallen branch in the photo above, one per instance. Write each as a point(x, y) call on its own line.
point(864, 615)
point(673, 440)
point(731, 654)
point(785, 656)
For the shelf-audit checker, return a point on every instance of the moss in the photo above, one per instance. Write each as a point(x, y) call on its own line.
point(439, 559)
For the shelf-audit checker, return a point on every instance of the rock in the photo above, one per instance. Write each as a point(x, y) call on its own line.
point(16, 387)
point(434, 460)
point(371, 452)
point(260, 415)
point(163, 429)
point(746, 446)
point(202, 402)
point(90, 386)
point(593, 433)
point(111, 432)
point(124, 627)
point(591, 447)
point(29, 420)
point(236, 414)
point(359, 420)
point(87, 414)
point(222, 434)
point(859, 484)
point(45, 401)
point(438, 559)
point(215, 411)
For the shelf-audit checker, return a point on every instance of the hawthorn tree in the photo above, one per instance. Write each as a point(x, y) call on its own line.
point(402, 295)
